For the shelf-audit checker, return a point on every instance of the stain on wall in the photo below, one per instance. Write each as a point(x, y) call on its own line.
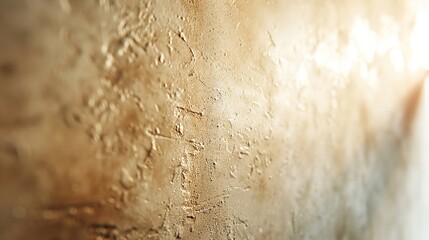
point(205, 119)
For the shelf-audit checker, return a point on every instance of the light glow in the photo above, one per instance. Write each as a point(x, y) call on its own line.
point(419, 41)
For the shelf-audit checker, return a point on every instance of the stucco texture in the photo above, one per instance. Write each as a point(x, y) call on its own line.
point(207, 119)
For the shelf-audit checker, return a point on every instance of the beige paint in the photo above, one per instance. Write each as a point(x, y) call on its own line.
point(209, 119)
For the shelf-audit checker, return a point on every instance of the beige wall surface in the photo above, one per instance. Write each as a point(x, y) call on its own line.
point(211, 119)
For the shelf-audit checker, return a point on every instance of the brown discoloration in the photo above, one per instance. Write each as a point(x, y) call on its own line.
point(412, 103)
point(196, 120)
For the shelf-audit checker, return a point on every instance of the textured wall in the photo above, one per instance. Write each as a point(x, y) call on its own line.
point(207, 119)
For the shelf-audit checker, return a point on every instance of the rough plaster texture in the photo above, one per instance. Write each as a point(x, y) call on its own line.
point(206, 119)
